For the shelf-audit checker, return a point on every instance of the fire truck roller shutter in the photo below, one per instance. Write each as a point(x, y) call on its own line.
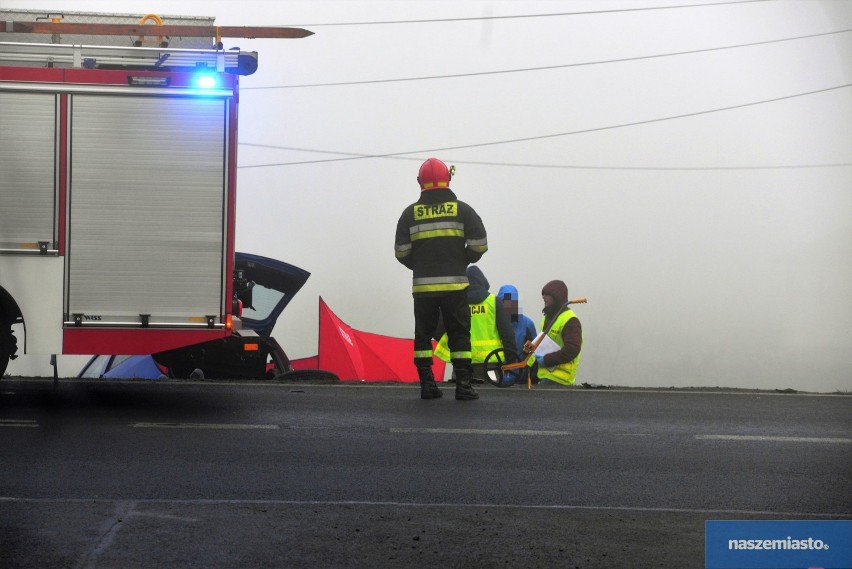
point(147, 215)
point(27, 173)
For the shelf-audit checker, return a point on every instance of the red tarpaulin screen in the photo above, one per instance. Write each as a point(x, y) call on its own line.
point(356, 355)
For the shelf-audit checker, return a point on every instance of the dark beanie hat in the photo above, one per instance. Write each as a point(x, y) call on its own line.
point(558, 290)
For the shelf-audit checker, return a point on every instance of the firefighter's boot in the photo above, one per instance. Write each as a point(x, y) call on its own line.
point(464, 390)
point(428, 387)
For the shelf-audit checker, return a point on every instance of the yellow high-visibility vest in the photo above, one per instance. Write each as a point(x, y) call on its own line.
point(484, 337)
point(563, 373)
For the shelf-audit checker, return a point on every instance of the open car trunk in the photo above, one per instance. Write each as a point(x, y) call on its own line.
point(267, 287)
point(275, 285)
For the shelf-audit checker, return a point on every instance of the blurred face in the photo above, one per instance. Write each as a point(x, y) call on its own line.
point(510, 307)
point(548, 300)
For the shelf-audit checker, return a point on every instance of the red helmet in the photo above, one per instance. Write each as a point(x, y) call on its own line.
point(434, 175)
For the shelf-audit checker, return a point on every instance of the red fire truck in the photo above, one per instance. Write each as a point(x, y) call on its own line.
point(117, 182)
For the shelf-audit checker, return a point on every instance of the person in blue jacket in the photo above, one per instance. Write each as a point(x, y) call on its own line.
point(522, 325)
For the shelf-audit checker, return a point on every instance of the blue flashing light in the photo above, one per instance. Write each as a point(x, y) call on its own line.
point(206, 81)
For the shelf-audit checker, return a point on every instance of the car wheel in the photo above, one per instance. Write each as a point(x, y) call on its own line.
point(308, 375)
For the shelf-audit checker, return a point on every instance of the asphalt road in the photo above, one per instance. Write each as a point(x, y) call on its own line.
point(213, 474)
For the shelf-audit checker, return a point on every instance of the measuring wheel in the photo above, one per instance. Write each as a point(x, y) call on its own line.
point(494, 363)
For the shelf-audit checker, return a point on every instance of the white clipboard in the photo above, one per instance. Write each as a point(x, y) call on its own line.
point(546, 345)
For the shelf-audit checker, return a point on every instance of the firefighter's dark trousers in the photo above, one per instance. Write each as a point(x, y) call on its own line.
point(455, 311)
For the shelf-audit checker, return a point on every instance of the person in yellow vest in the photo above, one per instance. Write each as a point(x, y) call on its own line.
point(490, 326)
point(563, 327)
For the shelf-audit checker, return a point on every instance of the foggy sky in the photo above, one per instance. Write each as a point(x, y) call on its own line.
point(701, 201)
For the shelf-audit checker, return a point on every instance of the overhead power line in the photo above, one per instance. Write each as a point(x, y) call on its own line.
point(539, 137)
point(518, 16)
point(551, 166)
point(546, 67)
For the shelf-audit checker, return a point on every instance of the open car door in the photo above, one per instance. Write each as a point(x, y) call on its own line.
point(265, 287)
point(274, 285)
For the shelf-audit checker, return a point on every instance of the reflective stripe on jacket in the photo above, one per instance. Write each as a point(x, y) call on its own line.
point(437, 238)
point(484, 337)
point(563, 373)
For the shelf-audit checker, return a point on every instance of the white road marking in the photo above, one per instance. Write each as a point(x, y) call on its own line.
point(223, 426)
point(393, 504)
point(19, 423)
point(774, 439)
point(163, 516)
point(479, 432)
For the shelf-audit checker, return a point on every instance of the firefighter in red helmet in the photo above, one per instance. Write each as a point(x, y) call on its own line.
point(437, 237)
